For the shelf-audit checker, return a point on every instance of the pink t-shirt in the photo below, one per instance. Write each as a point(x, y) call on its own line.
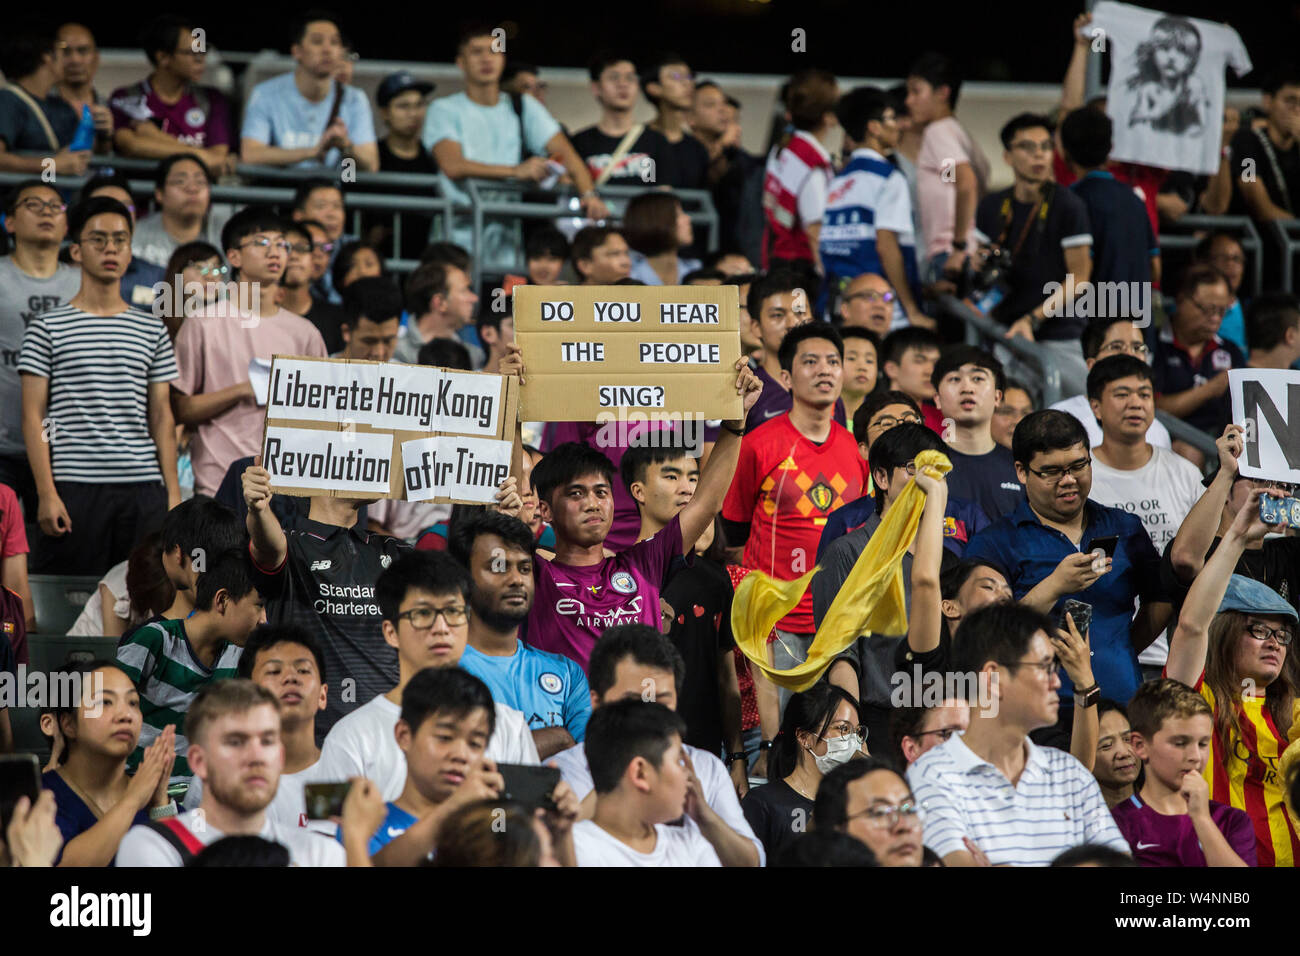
point(13, 535)
point(213, 351)
point(945, 145)
point(573, 606)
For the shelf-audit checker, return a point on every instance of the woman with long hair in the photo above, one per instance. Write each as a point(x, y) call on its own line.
point(819, 731)
point(656, 228)
point(1233, 645)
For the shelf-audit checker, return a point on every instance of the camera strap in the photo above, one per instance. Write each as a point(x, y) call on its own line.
point(1271, 156)
point(1037, 214)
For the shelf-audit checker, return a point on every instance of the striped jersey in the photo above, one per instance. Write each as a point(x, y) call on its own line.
point(168, 675)
point(1249, 779)
point(794, 196)
point(869, 194)
point(99, 369)
point(1055, 805)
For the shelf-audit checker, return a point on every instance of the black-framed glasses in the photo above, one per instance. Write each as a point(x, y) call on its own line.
point(422, 617)
point(1210, 311)
point(37, 206)
point(1054, 474)
point(889, 421)
point(1047, 667)
point(1262, 632)
point(884, 816)
point(100, 241)
point(300, 248)
point(943, 733)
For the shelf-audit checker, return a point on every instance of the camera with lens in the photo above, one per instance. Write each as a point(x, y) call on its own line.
point(987, 285)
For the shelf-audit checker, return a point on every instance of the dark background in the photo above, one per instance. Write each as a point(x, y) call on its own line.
point(1016, 42)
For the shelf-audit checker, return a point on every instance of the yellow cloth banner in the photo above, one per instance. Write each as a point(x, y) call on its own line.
point(870, 601)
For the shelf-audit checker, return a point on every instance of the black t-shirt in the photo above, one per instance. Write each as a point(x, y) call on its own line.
point(989, 480)
point(649, 162)
point(1276, 564)
point(1122, 240)
point(1283, 192)
point(415, 228)
point(778, 814)
point(328, 319)
point(700, 598)
point(1062, 224)
point(691, 157)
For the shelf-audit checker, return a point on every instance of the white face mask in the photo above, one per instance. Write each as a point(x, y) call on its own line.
point(838, 750)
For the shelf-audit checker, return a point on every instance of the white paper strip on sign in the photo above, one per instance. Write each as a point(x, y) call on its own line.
point(1266, 404)
point(465, 469)
point(328, 461)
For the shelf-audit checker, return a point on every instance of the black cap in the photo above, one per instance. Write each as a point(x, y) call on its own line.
point(397, 83)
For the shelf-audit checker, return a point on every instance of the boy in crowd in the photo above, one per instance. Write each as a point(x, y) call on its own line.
point(670, 86)
point(642, 782)
point(968, 386)
point(1171, 820)
point(600, 256)
point(102, 449)
point(446, 720)
point(215, 347)
point(422, 596)
point(1116, 766)
point(373, 307)
point(496, 330)
point(907, 357)
point(549, 689)
point(861, 367)
point(617, 149)
point(234, 726)
point(196, 530)
point(403, 102)
point(172, 660)
point(1017, 402)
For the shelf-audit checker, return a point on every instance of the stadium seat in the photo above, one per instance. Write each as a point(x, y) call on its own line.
point(59, 600)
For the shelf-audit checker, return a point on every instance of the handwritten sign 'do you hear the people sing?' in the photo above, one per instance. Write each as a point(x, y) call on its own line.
point(1266, 404)
point(356, 429)
point(593, 351)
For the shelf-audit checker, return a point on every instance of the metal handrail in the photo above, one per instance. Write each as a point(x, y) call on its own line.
point(1242, 226)
point(977, 324)
point(1202, 441)
point(1290, 245)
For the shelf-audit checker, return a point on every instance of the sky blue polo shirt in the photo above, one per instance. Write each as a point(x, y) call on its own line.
point(1028, 551)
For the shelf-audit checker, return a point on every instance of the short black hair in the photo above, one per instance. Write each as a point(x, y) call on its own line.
point(700, 275)
point(938, 70)
point(1023, 121)
point(445, 353)
point(874, 403)
point(999, 632)
point(650, 71)
point(565, 464)
point(445, 690)
point(895, 345)
point(1093, 854)
point(376, 298)
point(88, 209)
point(242, 850)
point(824, 848)
point(830, 809)
point(201, 526)
point(302, 192)
point(1015, 384)
point(445, 253)
point(546, 241)
point(641, 642)
point(1112, 369)
point(860, 106)
point(16, 191)
point(604, 59)
point(103, 179)
point(776, 282)
point(298, 26)
point(1269, 317)
point(462, 534)
point(514, 67)
point(1086, 137)
point(1046, 430)
point(896, 446)
point(230, 571)
point(954, 357)
point(652, 449)
point(472, 30)
point(249, 221)
point(952, 580)
point(621, 731)
point(1283, 74)
point(165, 165)
point(343, 258)
point(801, 333)
point(435, 572)
point(21, 52)
point(1094, 334)
point(588, 240)
point(161, 34)
point(267, 636)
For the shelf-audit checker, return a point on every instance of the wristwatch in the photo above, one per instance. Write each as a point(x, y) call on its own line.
point(1087, 697)
point(733, 757)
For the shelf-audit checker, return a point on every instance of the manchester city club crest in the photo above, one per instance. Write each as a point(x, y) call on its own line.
point(195, 117)
point(623, 583)
point(551, 683)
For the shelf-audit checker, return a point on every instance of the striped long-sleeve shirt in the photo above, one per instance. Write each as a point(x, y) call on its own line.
point(168, 675)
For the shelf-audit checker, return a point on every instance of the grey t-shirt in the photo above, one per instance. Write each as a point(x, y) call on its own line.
point(22, 298)
point(152, 243)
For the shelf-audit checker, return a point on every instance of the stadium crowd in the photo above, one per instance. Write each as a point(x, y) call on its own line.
point(1095, 667)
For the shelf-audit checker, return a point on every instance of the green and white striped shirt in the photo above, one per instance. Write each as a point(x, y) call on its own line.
point(168, 675)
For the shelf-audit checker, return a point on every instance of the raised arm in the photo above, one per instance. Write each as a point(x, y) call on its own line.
point(1076, 74)
point(926, 623)
point(1196, 533)
point(269, 545)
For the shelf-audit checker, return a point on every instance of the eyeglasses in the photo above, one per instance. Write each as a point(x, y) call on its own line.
point(37, 206)
point(1054, 475)
point(1210, 311)
point(628, 77)
point(1127, 348)
point(206, 271)
point(1047, 667)
point(883, 816)
point(265, 243)
point(422, 617)
point(99, 241)
point(871, 295)
point(300, 248)
point(681, 76)
point(889, 421)
point(1230, 258)
point(1262, 632)
point(185, 181)
point(323, 246)
point(943, 733)
point(845, 729)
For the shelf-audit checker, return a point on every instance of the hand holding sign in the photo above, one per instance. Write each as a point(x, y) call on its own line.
point(508, 501)
point(749, 388)
point(512, 363)
point(1266, 403)
point(1229, 446)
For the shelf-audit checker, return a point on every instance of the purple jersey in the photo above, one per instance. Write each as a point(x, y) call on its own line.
point(572, 606)
point(775, 400)
point(199, 118)
point(1159, 839)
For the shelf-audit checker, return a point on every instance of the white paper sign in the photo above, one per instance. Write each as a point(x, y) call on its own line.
point(259, 376)
point(1266, 404)
point(449, 466)
point(345, 461)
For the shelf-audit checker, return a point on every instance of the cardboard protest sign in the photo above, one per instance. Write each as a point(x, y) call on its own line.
point(1266, 404)
point(590, 350)
point(356, 429)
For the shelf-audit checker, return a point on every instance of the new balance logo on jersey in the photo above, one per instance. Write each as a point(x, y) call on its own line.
point(321, 565)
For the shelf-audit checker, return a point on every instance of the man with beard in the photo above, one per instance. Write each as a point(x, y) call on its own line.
point(550, 689)
point(235, 748)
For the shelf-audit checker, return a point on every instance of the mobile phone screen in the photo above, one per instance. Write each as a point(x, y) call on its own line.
point(1108, 543)
point(20, 776)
